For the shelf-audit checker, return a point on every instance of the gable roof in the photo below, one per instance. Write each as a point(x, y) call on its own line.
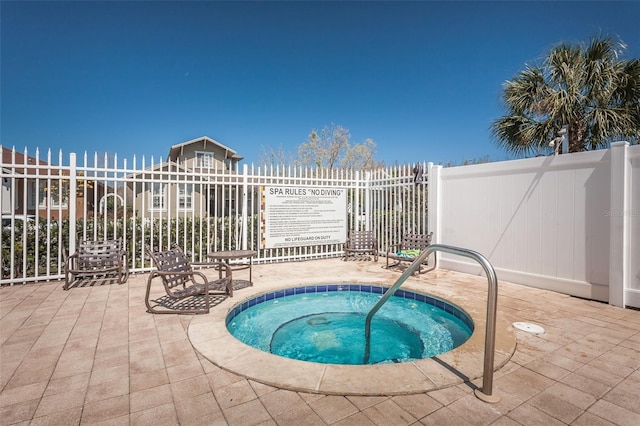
point(161, 166)
point(20, 160)
point(176, 150)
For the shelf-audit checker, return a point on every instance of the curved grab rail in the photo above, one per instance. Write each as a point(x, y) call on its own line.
point(492, 303)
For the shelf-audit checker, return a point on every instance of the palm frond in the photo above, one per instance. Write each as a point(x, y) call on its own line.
point(587, 87)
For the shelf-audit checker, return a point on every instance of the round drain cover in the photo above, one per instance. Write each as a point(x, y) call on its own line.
point(528, 327)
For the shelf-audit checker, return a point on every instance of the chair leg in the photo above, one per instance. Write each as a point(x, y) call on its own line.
point(207, 302)
point(68, 279)
point(146, 297)
point(392, 265)
point(152, 310)
point(230, 287)
point(124, 273)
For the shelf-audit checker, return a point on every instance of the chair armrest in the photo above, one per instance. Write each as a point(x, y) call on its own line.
point(205, 280)
point(69, 257)
point(394, 248)
point(165, 273)
point(217, 265)
point(70, 260)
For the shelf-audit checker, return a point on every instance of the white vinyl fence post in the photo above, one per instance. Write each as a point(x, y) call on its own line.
point(73, 202)
point(433, 205)
point(619, 224)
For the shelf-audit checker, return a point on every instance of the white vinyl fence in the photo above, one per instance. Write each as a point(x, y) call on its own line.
point(568, 223)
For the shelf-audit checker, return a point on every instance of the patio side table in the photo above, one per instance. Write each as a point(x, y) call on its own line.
point(227, 255)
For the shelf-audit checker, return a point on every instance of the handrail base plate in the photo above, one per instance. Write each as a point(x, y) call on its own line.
point(491, 399)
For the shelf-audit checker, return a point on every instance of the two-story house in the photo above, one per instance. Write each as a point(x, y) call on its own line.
point(160, 192)
point(31, 186)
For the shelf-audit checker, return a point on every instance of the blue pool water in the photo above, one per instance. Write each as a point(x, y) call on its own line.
point(325, 324)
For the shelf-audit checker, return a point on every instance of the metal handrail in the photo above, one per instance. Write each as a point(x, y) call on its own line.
point(492, 303)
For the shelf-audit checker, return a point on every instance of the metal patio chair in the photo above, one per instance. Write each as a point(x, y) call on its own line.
point(187, 291)
point(361, 243)
point(408, 249)
point(96, 258)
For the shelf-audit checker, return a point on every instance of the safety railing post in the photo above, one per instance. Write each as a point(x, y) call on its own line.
point(486, 393)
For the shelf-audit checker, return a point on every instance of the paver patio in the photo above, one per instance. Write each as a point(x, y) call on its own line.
point(92, 355)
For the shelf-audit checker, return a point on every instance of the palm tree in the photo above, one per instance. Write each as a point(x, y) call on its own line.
point(587, 88)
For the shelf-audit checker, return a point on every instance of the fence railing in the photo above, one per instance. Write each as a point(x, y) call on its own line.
point(49, 204)
point(567, 223)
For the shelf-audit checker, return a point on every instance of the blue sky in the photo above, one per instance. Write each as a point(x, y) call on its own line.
point(422, 79)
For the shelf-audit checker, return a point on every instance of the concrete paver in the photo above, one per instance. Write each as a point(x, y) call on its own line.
point(93, 354)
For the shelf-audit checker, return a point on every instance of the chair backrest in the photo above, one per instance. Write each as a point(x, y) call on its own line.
point(416, 241)
point(362, 239)
point(99, 254)
point(172, 260)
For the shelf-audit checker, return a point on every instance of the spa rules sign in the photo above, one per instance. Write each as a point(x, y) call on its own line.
point(294, 216)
